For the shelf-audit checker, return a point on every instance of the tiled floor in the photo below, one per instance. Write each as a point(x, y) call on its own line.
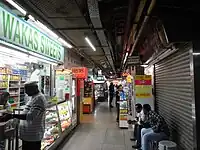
point(100, 134)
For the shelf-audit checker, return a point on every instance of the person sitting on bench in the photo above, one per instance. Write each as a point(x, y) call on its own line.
point(140, 117)
point(158, 129)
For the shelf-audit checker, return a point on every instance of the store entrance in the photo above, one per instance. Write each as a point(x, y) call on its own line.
point(17, 68)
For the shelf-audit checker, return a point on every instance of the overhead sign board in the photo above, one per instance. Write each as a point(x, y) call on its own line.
point(80, 72)
point(133, 60)
point(18, 32)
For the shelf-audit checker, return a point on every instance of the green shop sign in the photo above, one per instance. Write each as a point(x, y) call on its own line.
point(18, 32)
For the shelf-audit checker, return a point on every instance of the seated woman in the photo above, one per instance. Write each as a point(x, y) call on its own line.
point(157, 131)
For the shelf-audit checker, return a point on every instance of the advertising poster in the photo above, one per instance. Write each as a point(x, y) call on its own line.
point(143, 90)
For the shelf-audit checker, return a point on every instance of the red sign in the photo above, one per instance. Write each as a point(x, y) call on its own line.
point(80, 72)
point(142, 82)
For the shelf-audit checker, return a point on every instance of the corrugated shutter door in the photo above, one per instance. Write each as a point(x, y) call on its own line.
point(174, 96)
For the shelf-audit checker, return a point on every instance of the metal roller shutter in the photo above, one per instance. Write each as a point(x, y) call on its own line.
point(174, 96)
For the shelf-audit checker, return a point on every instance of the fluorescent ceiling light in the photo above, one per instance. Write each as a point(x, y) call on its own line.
point(31, 17)
point(196, 54)
point(47, 30)
point(64, 43)
point(24, 56)
point(125, 57)
point(90, 43)
point(17, 6)
point(144, 66)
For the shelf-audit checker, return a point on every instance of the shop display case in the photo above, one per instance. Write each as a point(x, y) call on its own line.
point(88, 101)
point(99, 92)
point(58, 120)
point(123, 107)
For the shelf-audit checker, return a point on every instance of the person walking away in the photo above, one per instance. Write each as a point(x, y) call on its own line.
point(137, 122)
point(3, 102)
point(32, 119)
point(111, 91)
point(157, 131)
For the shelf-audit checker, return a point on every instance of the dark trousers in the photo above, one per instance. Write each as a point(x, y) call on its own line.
point(137, 132)
point(117, 106)
point(35, 145)
point(111, 99)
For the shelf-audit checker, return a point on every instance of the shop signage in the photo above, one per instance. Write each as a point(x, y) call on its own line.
point(18, 32)
point(80, 72)
point(100, 78)
point(143, 80)
point(133, 60)
point(143, 87)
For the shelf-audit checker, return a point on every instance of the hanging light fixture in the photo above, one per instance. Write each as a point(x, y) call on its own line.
point(17, 6)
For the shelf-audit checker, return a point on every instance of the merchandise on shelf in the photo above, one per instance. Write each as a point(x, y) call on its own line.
point(88, 91)
point(99, 91)
point(65, 113)
point(58, 119)
point(123, 113)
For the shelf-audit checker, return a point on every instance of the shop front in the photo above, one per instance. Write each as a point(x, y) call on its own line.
point(28, 54)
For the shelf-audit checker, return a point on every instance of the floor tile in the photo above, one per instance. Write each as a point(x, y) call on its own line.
point(100, 133)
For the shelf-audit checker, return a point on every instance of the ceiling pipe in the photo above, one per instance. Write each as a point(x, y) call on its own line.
point(94, 15)
point(133, 32)
point(153, 2)
point(128, 22)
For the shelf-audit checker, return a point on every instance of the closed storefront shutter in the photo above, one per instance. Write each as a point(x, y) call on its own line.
point(174, 96)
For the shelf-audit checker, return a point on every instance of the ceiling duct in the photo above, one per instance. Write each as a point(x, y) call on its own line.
point(96, 21)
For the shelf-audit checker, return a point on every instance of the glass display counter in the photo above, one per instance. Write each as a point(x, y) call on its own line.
point(58, 120)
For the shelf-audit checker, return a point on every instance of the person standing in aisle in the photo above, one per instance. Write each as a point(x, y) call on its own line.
point(111, 92)
point(32, 119)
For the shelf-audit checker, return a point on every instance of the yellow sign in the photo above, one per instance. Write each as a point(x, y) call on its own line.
point(143, 77)
point(143, 91)
point(123, 117)
point(123, 111)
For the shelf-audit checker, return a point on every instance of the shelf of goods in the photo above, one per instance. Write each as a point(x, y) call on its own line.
point(12, 81)
point(123, 113)
point(58, 119)
point(99, 92)
point(88, 101)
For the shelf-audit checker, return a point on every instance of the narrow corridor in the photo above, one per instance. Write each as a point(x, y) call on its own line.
point(102, 133)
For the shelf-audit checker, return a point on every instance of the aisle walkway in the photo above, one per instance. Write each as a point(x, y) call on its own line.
point(100, 134)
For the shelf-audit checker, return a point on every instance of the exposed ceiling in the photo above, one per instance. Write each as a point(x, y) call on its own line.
point(176, 17)
point(71, 20)
point(113, 26)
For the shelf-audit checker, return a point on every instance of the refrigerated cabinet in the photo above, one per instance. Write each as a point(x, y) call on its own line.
point(99, 92)
point(58, 123)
